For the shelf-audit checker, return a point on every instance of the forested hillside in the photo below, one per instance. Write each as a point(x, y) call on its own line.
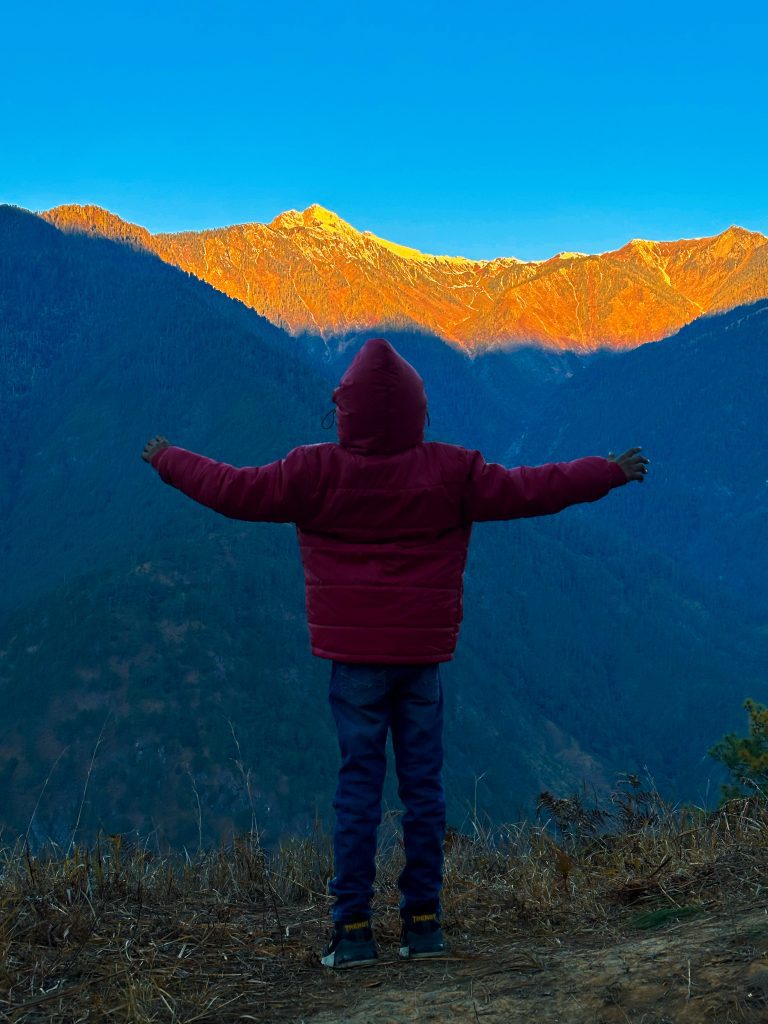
point(697, 403)
point(103, 347)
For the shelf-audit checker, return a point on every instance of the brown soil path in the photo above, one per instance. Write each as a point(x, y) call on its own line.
point(712, 967)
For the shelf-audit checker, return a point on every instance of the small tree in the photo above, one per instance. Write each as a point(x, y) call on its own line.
point(746, 757)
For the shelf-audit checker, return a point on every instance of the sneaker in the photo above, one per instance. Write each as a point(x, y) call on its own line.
point(421, 937)
point(351, 945)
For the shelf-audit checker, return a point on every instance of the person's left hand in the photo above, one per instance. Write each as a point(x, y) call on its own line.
point(634, 464)
point(153, 446)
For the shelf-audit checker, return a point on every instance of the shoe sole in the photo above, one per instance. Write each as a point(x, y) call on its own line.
point(329, 961)
point(433, 954)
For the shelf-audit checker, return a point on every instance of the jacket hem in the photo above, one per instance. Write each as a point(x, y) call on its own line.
point(382, 659)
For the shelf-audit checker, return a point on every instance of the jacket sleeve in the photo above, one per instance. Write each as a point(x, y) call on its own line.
point(494, 492)
point(277, 492)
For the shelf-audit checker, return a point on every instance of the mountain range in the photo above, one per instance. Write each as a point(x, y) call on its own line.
point(310, 272)
point(168, 646)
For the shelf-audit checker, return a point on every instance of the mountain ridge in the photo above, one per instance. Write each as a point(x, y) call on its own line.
point(312, 272)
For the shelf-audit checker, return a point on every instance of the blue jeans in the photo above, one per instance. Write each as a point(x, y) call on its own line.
point(367, 700)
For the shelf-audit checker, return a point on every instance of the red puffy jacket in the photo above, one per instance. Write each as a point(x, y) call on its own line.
point(383, 518)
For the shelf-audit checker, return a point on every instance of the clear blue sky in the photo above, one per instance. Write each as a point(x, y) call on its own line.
point(477, 129)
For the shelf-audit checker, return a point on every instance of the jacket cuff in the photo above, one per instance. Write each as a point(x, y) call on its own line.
point(618, 474)
point(156, 458)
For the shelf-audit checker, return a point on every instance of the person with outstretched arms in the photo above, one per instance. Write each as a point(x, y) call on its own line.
point(383, 521)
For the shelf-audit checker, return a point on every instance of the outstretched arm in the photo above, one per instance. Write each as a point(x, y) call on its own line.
point(495, 492)
point(275, 493)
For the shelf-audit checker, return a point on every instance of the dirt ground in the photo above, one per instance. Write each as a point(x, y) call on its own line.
point(673, 957)
point(710, 967)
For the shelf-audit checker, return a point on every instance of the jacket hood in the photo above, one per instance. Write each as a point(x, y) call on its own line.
point(380, 402)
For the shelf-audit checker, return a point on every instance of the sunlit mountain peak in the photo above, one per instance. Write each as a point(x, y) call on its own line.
point(311, 271)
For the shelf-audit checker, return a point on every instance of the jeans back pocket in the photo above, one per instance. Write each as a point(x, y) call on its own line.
point(358, 683)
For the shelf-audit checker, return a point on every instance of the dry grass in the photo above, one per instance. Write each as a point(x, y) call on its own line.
point(111, 933)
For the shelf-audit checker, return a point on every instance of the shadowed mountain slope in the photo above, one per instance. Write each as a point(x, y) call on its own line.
point(697, 403)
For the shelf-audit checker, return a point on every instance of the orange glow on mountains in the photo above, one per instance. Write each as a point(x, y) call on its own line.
point(310, 271)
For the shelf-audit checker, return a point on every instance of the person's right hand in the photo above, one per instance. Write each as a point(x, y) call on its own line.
point(635, 466)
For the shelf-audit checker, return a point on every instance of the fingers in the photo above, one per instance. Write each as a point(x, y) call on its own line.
point(632, 458)
point(158, 441)
point(634, 464)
